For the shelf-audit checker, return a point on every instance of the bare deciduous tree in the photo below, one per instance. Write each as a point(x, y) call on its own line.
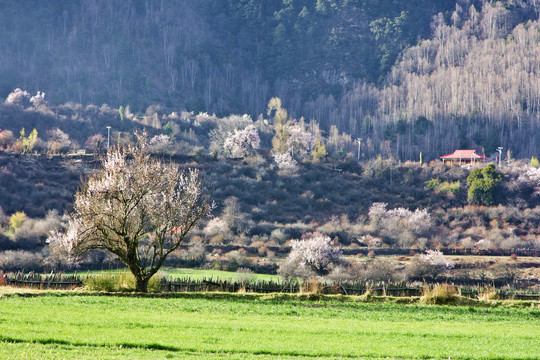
point(137, 208)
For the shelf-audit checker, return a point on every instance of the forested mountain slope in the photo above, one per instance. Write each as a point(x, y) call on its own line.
point(406, 76)
point(475, 83)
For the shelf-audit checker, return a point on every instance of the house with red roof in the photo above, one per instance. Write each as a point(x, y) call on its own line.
point(464, 157)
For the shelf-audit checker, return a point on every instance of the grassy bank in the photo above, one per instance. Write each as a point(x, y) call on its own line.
point(261, 327)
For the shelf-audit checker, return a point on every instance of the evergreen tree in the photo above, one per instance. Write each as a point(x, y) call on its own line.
point(483, 185)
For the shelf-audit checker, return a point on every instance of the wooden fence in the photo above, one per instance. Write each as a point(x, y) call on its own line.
point(68, 282)
point(44, 282)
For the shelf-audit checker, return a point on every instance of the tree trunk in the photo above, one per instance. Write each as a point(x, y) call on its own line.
point(141, 284)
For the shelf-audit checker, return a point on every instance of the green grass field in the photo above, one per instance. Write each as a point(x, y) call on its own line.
point(194, 274)
point(102, 327)
point(214, 274)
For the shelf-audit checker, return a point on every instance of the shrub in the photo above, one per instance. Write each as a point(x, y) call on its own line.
point(504, 271)
point(226, 127)
point(237, 259)
point(488, 293)
point(102, 282)
point(216, 226)
point(17, 260)
point(439, 294)
point(289, 270)
point(340, 274)
point(450, 187)
point(401, 225)
point(242, 142)
point(433, 184)
point(531, 177)
point(286, 163)
point(279, 236)
point(312, 287)
point(32, 233)
point(119, 282)
point(6, 139)
point(245, 276)
point(380, 270)
point(17, 97)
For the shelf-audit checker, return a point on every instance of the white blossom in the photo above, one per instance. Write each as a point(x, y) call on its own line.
point(285, 162)
point(316, 253)
point(436, 258)
point(38, 99)
point(160, 143)
point(216, 226)
point(17, 96)
point(95, 141)
point(136, 207)
point(299, 142)
point(402, 224)
point(242, 142)
point(532, 177)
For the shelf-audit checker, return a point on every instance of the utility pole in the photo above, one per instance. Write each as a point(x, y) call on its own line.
point(359, 141)
point(500, 149)
point(108, 136)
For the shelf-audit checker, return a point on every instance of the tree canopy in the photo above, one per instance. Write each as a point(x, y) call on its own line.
point(483, 184)
point(135, 207)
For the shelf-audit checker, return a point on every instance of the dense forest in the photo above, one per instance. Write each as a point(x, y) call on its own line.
point(406, 77)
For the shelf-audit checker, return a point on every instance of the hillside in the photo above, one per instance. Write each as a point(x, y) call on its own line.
point(225, 56)
point(303, 117)
point(378, 208)
point(407, 77)
point(257, 198)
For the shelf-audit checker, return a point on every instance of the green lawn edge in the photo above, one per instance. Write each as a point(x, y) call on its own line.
point(281, 297)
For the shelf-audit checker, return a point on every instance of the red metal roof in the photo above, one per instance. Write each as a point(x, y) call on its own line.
point(463, 154)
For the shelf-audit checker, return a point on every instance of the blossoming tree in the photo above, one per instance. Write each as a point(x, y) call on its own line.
point(242, 142)
point(429, 265)
point(136, 207)
point(299, 142)
point(17, 97)
point(316, 253)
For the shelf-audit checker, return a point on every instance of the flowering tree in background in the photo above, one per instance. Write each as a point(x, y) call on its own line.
point(58, 141)
point(135, 207)
point(242, 142)
point(160, 143)
point(299, 142)
point(95, 142)
point(17, 97)
point(408, 228)
point(224, 129)
point(317, 254)
point(286, 162)
point(38, 99)
point(430, 265)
